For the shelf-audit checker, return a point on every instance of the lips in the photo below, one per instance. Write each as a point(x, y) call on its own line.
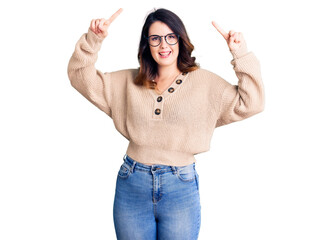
point(165, 54)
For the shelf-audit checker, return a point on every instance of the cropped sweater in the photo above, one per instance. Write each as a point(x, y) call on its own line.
point(171, 127)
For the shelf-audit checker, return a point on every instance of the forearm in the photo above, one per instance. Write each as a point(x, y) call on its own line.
point(84, 77)
point(247, 98)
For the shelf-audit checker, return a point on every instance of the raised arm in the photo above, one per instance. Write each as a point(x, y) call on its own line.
point(247, 98)
point(84, 77)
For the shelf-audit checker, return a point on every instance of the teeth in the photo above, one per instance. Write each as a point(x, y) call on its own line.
point(165, 54)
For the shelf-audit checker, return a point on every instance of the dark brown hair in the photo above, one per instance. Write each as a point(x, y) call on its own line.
point(148, 66)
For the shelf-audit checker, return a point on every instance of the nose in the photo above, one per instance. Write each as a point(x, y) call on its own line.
point(163, 42)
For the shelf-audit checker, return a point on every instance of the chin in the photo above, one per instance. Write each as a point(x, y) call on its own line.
point(165, 61)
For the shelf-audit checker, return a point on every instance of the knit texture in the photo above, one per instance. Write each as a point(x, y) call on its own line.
point(168, 128)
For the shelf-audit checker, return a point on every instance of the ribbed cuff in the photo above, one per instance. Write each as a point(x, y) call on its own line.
point(94, 41)
point(238, 53)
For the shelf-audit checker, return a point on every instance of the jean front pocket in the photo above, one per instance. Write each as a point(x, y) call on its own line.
point(186, 174)
point(124, 171)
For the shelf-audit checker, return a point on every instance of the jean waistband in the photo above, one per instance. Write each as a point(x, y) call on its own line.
point(161, 168)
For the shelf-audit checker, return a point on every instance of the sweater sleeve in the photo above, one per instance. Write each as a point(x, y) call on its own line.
point(247, 98)
point(91, 83)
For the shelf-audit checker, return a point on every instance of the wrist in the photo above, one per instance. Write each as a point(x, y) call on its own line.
point(240, 52)
point(94, 40)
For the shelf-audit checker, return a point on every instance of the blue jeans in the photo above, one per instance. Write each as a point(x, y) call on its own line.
point(156, 202)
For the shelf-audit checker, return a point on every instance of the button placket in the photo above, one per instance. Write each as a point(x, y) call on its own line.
point(158, 107)
point(159, 100)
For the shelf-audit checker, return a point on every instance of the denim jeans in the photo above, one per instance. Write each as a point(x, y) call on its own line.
point(156, 202)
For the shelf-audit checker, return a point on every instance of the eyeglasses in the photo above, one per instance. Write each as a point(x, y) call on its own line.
point(155, 40)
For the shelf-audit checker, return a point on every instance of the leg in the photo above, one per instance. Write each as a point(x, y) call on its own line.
point(133, 211)
point(179, 210)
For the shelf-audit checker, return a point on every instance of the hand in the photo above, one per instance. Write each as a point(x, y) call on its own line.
point(100, 26)
point(234, 39)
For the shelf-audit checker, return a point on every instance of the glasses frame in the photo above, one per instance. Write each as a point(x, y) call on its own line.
point(165, 38)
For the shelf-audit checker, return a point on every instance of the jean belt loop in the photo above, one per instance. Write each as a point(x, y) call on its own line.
point(133, 166)
point(174, 170)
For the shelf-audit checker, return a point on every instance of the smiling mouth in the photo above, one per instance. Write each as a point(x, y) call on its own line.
point(164, 54)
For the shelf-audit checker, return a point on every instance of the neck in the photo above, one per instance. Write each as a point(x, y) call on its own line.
point(167, 72)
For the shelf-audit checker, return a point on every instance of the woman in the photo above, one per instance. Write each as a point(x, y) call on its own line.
point(168, 110)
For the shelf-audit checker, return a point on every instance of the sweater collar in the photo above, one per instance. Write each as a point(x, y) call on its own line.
point(176, 84)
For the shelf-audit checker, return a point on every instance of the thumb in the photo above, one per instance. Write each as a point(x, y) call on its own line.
point(102, 26)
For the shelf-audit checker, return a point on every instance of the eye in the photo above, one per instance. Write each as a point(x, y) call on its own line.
point(172, 36)
point(154, 38)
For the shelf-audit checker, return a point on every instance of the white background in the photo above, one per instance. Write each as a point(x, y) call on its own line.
point(267, 177)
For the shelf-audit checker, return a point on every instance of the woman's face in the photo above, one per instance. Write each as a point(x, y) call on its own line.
point(164, 54)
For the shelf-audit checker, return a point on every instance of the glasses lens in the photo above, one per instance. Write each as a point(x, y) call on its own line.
point(172, 39)
point(154, 40)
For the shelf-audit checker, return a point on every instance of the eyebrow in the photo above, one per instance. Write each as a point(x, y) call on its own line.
point(161, 35)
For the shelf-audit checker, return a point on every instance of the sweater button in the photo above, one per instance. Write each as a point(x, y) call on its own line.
point(159, 99)
point(157, 111)
point(179, 81)
point(171, 90)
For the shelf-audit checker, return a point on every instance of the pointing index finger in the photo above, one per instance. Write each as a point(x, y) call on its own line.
point(220, 30)
point(114, 16)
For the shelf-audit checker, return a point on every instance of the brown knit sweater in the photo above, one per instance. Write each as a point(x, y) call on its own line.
point(172, 127)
